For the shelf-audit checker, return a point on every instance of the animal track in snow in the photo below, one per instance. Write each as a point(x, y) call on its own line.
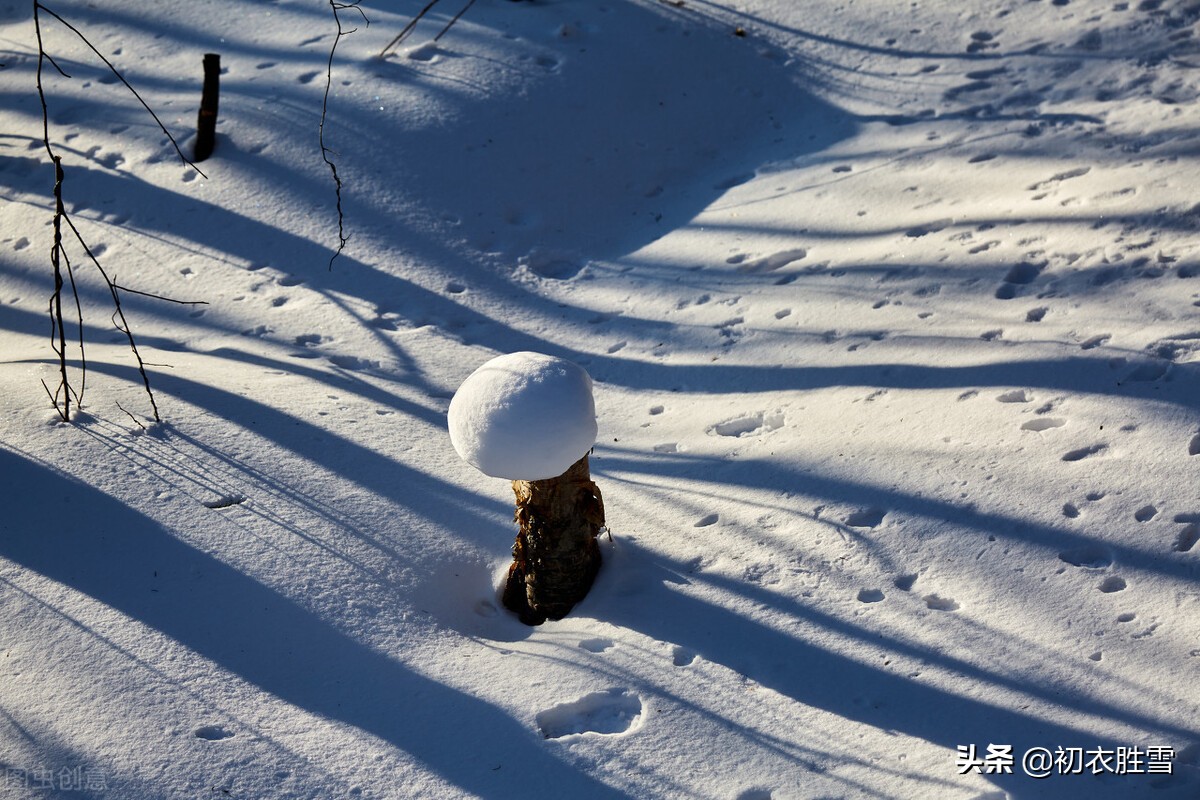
point(749, 425)
point(1015, 396)
point(866, 517)
point(1095, 341)
point(1081, 453)
point(1036, 314)
point(705, 521)
point(1018, 275)
point(609, 713)
point(905, 582)
point(598, 645)
point(774, 261)
point(870, 595)
point(1078, 172)
point(1092, 556)
point(354, 363)
point(225, 501)
point(681, 656)
point(1113, 583)
point(1043, 424)
point(938, 603)
point(755, 794)
point(212, 733)
point(1145, 513)
point(928, 228)
point(1194, 446)
point(1188, 536)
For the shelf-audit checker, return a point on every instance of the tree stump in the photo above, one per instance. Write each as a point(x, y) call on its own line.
point(206, 124)
point(556, 556)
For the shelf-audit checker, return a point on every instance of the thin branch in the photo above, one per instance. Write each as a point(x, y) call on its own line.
point(136, 421)
point(412, 23)
point(59, 259)
point(160, 297)
point(457, 16)
point(38, 5)
point(56, 298)
point(119, 314)
point(325, 151)
point(79, 324)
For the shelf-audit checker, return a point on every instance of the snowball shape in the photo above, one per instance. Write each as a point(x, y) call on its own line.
point(524, 416)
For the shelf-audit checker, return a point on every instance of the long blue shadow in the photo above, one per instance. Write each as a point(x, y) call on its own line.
point(82, 538)
point(870, 695)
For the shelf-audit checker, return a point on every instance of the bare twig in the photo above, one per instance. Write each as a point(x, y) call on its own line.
point(136, 421)
point(38, 6)
point(325, 151)
point(412, 23)
point(153, 296)
point(455, 19)
point(60, 398)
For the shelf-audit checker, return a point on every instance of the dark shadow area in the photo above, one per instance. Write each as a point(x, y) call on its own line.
point(779, 477)
point(874, 696)
point(699, 111)
point(100, 547)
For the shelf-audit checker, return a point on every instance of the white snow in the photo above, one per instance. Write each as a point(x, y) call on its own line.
point(891, 310)
point(524, 416)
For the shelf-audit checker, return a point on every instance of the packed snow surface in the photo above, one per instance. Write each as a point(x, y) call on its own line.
point(892, 311)
point(524, 416)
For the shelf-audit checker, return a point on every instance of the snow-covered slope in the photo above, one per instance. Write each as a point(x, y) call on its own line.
point(892, 313)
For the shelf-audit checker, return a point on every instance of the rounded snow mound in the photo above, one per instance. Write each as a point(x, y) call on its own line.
point(524, 416)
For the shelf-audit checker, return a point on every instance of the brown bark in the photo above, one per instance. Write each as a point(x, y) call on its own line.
point(206, 125)
point(555, 557)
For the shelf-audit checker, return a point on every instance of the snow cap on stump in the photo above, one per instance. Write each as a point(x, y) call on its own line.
point(524, 416)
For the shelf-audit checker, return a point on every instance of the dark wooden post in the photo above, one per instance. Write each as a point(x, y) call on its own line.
point(206, 126)
point(555, 557)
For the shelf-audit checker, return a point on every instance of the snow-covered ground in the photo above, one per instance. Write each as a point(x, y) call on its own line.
point(891, 310)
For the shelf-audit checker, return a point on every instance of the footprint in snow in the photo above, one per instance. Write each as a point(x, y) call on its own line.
point(938, 603)
point(870, 596)
point(682, 656)
point(610, 713)
point(1188, 536)
point(755, 794)
point(1057, 178)
point(1043, 424)
point(774, 261)
point(866, 517)
point(749, 424)
point(354, 363)
point(1091, 556)
point(212, 733)
point(1081, 453)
